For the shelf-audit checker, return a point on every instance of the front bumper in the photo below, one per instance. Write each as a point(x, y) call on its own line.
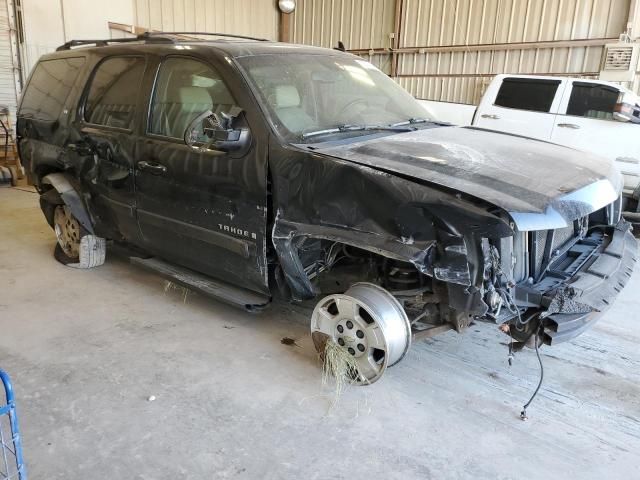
point(582, 299)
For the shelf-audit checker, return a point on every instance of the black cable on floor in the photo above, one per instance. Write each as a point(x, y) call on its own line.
point(523, 414)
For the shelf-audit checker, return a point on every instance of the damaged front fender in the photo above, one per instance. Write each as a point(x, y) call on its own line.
point(286, 235)
point(321, 197)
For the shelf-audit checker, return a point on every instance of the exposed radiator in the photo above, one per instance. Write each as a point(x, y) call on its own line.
point(539, 243)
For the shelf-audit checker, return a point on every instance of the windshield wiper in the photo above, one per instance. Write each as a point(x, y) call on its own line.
point(357, 128)
point(411, 121)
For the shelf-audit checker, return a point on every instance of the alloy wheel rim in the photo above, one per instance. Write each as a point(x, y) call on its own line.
point(67, 231)
point(369, 323)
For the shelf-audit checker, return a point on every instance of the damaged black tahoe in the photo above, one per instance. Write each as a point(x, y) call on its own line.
point(250, 170)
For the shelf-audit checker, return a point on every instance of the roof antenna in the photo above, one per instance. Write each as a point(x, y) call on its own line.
point(340, 46)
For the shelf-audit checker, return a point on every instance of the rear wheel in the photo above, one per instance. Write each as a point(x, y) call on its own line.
point(68, 232)
point(76, 247)
point(366, 321)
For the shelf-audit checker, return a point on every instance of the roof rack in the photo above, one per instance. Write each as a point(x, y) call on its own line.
point(214, 34)
point(104, 42)
point(151, 37)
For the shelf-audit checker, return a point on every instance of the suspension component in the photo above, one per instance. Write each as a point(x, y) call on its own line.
point(401, 276)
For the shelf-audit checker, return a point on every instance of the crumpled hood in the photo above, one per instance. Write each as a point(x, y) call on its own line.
point(541, 185)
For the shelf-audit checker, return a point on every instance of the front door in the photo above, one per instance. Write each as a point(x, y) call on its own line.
point(203, 210)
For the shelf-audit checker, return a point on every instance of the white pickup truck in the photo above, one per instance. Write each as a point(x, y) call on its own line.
point(590, 115)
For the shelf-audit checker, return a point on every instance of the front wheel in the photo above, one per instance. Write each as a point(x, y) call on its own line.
point(368, 323)
point(76, 247)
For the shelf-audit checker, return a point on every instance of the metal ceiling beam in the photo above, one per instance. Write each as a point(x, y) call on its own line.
point(590, 42)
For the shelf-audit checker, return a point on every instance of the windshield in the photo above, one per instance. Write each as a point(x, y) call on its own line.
point(310, 97)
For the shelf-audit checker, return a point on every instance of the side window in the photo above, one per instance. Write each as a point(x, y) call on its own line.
point(49, 88)
point(113, 92)
point(185, 88)
point(527, 94)
point(592, 101)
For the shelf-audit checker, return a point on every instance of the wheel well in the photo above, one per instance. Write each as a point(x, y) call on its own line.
point(49, 199)
point(42, 171)
point(57, 188)
point(333, 266)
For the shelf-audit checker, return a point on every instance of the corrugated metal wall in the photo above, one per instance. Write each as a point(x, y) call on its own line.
point(449, 49)
point(50, 23)
point(245, 17)
point(358, 23)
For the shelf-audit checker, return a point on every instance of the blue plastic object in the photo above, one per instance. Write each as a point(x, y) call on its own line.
point(11, 460)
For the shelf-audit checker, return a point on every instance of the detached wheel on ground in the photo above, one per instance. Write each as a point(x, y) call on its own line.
point(369, 323)
point(76, 247)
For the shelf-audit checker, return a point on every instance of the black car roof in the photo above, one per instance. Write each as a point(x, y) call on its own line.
point(234, 46)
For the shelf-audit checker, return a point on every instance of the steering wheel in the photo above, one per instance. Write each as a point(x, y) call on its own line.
point(352, 103)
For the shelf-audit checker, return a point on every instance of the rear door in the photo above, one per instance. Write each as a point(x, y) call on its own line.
point(586, 123)
point(523, 106)
point(109, 115)
point(203, 210)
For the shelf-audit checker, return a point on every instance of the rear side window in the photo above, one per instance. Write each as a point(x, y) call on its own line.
point(49, 88)
point(527, 94)
point(592, 101)
point(113, 93)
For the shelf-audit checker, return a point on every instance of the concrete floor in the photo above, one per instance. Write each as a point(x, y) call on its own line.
point(87, 348)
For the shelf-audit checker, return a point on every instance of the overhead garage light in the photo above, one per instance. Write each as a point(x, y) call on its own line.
point(286, 6)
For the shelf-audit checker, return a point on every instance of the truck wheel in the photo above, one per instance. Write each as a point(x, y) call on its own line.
point(369, 323)
point(76, 247)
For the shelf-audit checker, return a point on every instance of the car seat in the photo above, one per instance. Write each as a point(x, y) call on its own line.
point(285, 101)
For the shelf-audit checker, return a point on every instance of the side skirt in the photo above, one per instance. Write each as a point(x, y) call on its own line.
point(207, 286)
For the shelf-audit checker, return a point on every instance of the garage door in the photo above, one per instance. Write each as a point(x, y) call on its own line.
point(8, 95)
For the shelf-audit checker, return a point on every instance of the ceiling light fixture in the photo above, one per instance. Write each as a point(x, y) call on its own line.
point(286, 6)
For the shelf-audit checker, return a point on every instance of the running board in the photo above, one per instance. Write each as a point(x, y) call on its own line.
point(237, 296)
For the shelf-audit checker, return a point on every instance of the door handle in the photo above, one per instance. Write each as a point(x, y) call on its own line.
point(569, 125)
point(152, 167)
point(80, 148)
point(490, 116)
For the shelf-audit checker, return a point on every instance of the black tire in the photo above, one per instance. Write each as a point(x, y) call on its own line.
point(62, 257)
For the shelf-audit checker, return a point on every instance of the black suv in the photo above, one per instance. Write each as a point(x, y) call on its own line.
point(248, 170)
